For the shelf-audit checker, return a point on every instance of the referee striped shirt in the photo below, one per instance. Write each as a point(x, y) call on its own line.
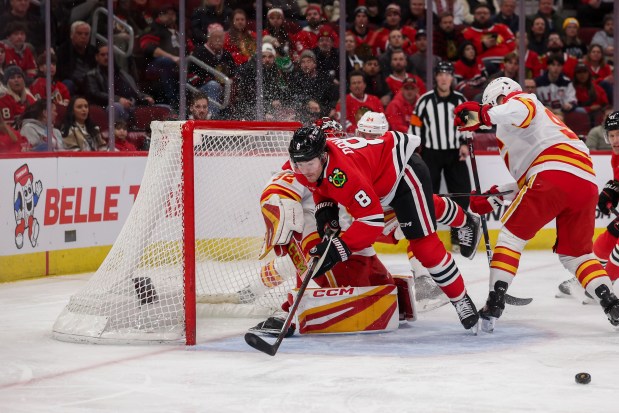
point(437, 130)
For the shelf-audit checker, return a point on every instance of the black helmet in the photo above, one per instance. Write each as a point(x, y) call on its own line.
point(444, 66)
point(307, 143)
point(612, 122)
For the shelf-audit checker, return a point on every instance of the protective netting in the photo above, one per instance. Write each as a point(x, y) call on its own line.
point(137, 294)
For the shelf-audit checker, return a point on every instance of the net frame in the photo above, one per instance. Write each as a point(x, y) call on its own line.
point(187, 131)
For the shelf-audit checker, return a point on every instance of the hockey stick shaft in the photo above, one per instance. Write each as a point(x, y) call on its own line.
point(271, 349)
point(461, 194)
point(509, 299)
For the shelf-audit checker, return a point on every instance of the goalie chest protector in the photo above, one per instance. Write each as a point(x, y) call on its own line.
point(348, 310)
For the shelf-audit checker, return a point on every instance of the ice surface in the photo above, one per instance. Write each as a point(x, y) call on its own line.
point(431, 365)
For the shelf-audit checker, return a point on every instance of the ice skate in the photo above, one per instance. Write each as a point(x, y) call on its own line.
point(610, 303)
point(469, 235)
point(495, 304)
point(466, 312)
point(428, 295)
point(272, 326)
point(572, 288)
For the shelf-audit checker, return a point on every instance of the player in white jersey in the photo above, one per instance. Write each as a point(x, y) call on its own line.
point(554, 172)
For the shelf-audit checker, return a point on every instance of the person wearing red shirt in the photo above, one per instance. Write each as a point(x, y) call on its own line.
point(362, 31)
point(401, 108)
point(591, 97)
point(60, 93)
point(17, 51)
point(11, 141)
point(469, 71)
point(120, 137)
point(307, 38)
point(239, 40)
point(399, 74)
point(17, 97)
point(393, 21)
point(364, 176)
point(492, 40)
point(555, 46)
point(356, 99)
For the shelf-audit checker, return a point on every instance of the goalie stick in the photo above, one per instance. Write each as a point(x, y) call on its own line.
point(509, 299)
point(271, 349)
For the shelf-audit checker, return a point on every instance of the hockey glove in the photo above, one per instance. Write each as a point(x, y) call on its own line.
point(470, 116)
point(613, 228)
point(327, 218)
point(609, 197)
point(336, 252)
point(485, 204)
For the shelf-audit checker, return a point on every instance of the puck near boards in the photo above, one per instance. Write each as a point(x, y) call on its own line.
point(583, 378)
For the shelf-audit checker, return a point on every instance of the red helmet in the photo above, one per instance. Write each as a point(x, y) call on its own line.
point(331, 128)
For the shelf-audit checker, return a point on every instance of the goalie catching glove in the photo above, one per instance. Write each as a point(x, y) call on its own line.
point(327, 218)
point(609, 197)
point(470, 116)
point(485, 204)
point(335, 251)
point(283, 218)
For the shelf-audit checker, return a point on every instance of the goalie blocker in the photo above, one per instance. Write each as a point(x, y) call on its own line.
point(357, 309)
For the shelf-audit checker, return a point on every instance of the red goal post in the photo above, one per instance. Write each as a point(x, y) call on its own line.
point(193, 236)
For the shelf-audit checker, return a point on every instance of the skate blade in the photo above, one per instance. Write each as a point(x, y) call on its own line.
point(423, 306)
point(487, 325)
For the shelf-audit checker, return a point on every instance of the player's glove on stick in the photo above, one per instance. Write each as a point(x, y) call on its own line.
point(609, 196)
point(470, 116)
point(337, 252)
point(485, 204)
point(327, 218)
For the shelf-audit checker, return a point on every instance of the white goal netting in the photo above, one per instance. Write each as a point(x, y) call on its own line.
point(138, 294)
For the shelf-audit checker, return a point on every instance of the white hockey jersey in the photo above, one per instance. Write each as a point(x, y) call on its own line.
point(532, 139)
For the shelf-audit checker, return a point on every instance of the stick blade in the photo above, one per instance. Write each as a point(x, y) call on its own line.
point(259, 344)
point(511, 300)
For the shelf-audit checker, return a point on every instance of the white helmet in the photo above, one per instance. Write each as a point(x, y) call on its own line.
point(374, 123)
point(501, 86)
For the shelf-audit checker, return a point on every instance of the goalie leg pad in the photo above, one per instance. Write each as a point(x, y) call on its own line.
point(406, 297)
point(349, 310)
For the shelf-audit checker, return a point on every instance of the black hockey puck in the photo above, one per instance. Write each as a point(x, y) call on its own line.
point(583, 378)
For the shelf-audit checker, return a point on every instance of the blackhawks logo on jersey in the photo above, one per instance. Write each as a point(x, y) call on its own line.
point(338, 178)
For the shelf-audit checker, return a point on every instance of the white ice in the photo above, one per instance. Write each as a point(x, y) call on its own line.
point(432, 365)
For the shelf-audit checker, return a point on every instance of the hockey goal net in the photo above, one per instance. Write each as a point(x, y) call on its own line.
point(193, 237)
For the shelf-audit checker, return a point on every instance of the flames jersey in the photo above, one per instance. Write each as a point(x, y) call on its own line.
point(362, 175)
point(532, 139)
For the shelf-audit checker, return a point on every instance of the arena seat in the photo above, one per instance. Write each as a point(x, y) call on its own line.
point(99, 116)
point(485, 141)
point(586, 34)
point(579, 122)
point(144, 115)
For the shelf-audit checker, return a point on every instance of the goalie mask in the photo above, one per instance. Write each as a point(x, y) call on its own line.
point(501, 86)
point(611, 123)
point(307, 143)
point(373, 123)
point(331, 128)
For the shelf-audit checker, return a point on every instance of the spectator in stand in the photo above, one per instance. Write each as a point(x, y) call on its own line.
point(601, 71)
point(509, 69)
point(79, 132)
point(355, 100)
point(417, 62)
point(290, 8)
point(362, 32)
point(530, 86)
point(77, 56)
point(161, 48)
point(139, 16)
point(353, 61)
point(507, 15)
point(17, 51)
point(572, 44)
point(592, 12)
point(307, 38)
point(21, 12)
point(11, 141)
point(446, 38)
point(17, 96)
point(554, 46)
point(492, 40)
point(327, 55)
point(60, 93)
point(393, 21)
point(310, 112)
point(460, 9)
point(239, 41)
point(399, 74)
point(34, 127)
point(213, 54)
point(275, 86)
point(469, 72)
point(545, 10)
point(211, 12)
point(396, 42)
point(537, 36)
point(554, 89)
point(417, 16)
point(596, 138)
point(198, 108)
point(375, 81)
point(120, 137)
point(127, 96)
point(605, 37)
point(2, 55)
point(590, 96)
point(276, 27)
point(311, 84)
point(401, 108)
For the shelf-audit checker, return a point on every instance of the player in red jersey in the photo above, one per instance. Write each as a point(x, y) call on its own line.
point(364, 176)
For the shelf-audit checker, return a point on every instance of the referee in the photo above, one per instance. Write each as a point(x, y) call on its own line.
point(443, 147)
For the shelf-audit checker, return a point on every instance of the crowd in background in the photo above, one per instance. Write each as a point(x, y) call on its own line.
point(568, 63)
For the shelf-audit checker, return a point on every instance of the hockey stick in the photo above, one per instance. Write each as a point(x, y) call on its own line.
point(459, 194)
point(509, 299)
point(271, 349)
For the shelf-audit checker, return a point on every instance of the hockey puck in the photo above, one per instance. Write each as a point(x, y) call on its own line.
point(583, 378)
